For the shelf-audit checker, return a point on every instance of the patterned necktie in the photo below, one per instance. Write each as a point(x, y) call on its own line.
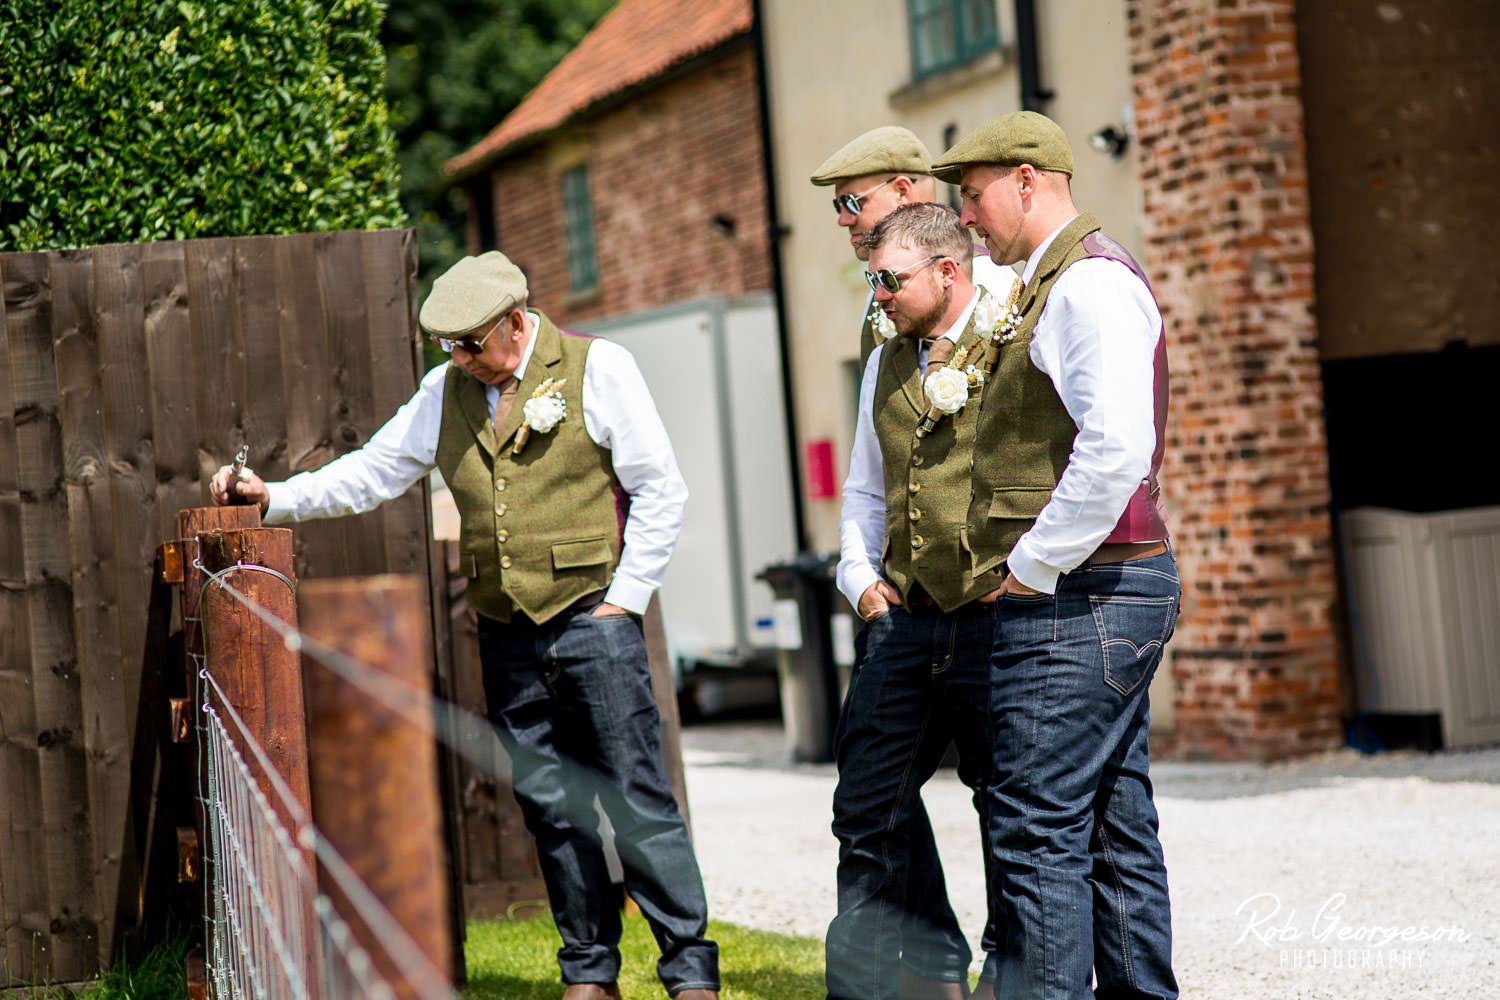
point(937, 355)
point(504, 403)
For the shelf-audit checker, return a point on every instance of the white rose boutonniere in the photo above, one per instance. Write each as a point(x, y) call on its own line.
point(542, 412)
point(881, 323)
point(986, 313)
point(947, 389)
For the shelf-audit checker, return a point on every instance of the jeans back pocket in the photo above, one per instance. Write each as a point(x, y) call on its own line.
point(1133, 631)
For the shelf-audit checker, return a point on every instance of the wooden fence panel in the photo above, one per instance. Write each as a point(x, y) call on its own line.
point(91, 521)
point(67, 938)
point(130, 373)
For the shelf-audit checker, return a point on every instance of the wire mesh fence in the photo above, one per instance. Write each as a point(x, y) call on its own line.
point(286, 913)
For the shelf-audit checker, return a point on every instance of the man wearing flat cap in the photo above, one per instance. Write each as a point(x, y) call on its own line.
point(1067, 451)
point(875, 175)
point(571, 502)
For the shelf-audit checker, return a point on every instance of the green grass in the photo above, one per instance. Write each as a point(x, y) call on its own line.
point(159, 975)
point(517, 960)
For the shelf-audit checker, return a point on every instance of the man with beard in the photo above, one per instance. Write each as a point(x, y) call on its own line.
point(873, 175)
point(921, 681)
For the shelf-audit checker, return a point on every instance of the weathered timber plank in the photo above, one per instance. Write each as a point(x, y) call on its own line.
point(355, 412)
point(218, 352)
point(389, 285)
point(169, 356)
point(106, 675)
point(23, 883)
point(256, 306)
point(129, 444)
point(66, 844)
point(302, 327)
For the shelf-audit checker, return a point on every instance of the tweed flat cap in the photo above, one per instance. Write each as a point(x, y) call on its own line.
point(889, 149)
point(470, 294)
point(1019, 137)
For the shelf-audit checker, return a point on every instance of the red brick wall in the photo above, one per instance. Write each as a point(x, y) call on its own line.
point(661, 167)
point(1228, 245)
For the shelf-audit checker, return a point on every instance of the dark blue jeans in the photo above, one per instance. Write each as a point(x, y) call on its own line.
point(920, 683)
point(1083, 885)
point(571, 702)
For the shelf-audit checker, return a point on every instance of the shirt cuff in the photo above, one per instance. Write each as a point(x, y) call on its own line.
point(1031, 571)
point(278, 510)
point(632, 595)
point(857, 580)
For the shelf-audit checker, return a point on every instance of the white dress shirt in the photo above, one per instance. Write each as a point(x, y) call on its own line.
point(1096, 339)
point(618, 414)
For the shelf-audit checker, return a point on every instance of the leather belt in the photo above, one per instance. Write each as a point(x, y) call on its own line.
point(1116, 552)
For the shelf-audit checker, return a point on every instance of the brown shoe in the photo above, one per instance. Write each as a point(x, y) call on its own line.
point(696, 993)
point(912, 987)
point(591, 991)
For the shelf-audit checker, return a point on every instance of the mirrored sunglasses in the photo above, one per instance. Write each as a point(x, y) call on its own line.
point(851, 202)
point(891, 280)
point(469, 344)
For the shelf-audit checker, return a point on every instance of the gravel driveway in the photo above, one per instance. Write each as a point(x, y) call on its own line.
point(1342, 876)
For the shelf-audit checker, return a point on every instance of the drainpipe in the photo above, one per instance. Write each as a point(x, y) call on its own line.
point(778, 289)
point(1032, 92)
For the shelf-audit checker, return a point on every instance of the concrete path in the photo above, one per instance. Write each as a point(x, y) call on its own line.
point(1339, 877)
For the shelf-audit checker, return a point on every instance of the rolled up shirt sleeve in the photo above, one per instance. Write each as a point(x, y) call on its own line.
point(1096, 340)
point(620, 415)
point(862, 518)
point(400, 453)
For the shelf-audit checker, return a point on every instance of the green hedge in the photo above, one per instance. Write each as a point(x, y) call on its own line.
point(137, 120)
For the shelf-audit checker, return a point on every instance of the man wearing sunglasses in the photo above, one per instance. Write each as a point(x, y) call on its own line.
point(571, 503)
point(873, 175)
point(920, 680)
point(1066, 507)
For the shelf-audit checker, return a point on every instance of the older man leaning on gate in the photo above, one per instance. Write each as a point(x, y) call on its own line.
point(571, 502)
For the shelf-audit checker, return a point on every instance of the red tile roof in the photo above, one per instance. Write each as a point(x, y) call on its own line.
point(637, 40)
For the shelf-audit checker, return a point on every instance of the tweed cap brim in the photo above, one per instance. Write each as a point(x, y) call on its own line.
point(889, 149)
point(1010, 140)
point(470, 294)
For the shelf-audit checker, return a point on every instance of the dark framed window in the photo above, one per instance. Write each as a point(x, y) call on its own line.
point(945, 33)
point(578, 226)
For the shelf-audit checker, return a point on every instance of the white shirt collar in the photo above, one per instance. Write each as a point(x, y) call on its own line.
point(533, 324)
point(1041, 248)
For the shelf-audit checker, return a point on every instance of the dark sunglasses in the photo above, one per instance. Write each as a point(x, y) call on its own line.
point(851, 202)
point(891, 280)
point(469, 344)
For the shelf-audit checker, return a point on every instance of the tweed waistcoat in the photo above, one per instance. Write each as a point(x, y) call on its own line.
point(542, 528)
point(927, 481)
point(1025, 435)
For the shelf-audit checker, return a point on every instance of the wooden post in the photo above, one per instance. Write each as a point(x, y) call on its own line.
point(260, 676)
point(190, 521)
point(374, 769)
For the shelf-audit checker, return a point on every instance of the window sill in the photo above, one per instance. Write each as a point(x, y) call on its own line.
point(944, 81)
point(583, 297)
